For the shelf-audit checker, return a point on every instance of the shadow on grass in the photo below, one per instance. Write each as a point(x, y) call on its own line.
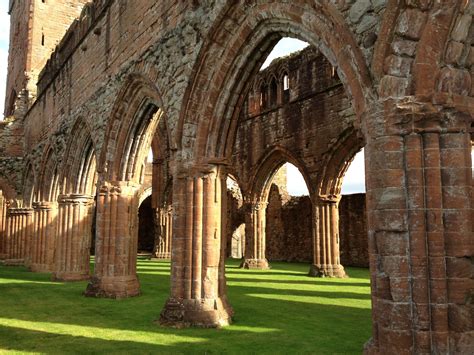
point(308, 327)
point(315, 282)
point(40, 341)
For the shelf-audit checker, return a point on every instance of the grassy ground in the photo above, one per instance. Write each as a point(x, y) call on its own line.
point(276, 311)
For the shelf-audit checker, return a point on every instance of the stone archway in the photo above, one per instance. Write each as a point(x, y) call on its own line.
point(78, 180)
point(19, 220)
point(256, 203)
point(146, 225)
point(391, 130)
point(326, 204)
point(132, 124)
point(7, 196)
point(45, 210)
point(223, 76)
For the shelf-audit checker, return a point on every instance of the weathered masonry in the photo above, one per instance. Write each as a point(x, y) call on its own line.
point(178, 77)
point(297, 112)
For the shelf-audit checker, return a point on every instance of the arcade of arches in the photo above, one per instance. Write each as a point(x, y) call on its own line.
point(392, 77)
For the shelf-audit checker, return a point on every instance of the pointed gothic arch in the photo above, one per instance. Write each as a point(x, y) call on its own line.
point(76, 205)
point(131, 127)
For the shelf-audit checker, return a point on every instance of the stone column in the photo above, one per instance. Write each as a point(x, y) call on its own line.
point(43, 240)
point(326, 253)
point(163, 232)
point(19, 222)
point(73, 237)
point(255, 223)
point(420, 232)
point(115, 273)
point(197, 292)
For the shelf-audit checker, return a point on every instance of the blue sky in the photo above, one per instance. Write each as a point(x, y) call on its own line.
point(4, 39)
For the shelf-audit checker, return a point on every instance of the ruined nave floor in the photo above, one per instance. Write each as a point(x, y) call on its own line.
point(276, 311)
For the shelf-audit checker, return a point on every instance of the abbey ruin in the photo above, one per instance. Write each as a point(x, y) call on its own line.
point(93, 86)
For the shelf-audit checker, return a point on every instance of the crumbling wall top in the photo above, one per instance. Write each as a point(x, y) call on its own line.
point(90, 15)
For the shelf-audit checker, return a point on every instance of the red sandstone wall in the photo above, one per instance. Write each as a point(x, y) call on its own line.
point(50, 22)
point(289, 228)
point(36, 29)
point(146, 227)
point(18, 51)
point(353, 236)
point(306, 125)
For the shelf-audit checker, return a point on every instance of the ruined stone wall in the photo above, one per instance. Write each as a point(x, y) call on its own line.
point(353, 237)
point(18, 52)
point(11, 154)
point(111, 41)
point(36, 28)
point(235, 234)
point(304, 121)
point(146, 227)
point(407, 70)
point(289, 228)
point(50, 21)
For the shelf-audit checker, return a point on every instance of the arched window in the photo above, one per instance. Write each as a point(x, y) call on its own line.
point(286, 88)
point(263, 96)
point(286, 82)
point(273, 92)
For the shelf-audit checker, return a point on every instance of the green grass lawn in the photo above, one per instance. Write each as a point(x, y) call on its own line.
point(276, 311)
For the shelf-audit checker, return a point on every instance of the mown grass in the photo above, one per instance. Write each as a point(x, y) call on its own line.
point(279, 311)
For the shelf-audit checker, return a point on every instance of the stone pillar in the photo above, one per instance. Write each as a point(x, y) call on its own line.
point(19, 222)
point(255, 222)
point(420, 232)
point(73, 238)
point(115, 273)
point(3, 227)
point(198, 295)
point(163, 232)
point(326, 254)
point(43, 240)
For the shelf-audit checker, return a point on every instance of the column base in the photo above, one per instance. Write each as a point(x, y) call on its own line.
point(327, 271)
point(3, 256)
point(255, 264)
point(13, 262)
point(166, 256)
point(70, 276)
point(202, 313)
point(41, 268)
point(113, 287)
point(370, 348)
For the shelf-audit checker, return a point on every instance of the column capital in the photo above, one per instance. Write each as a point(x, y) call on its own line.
point(118, 188)
point(328, 199)
point(18, 211)
point(415, 115)
point(75, 199)
point(198, 170)
point(255, 205)
point(44, 205)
